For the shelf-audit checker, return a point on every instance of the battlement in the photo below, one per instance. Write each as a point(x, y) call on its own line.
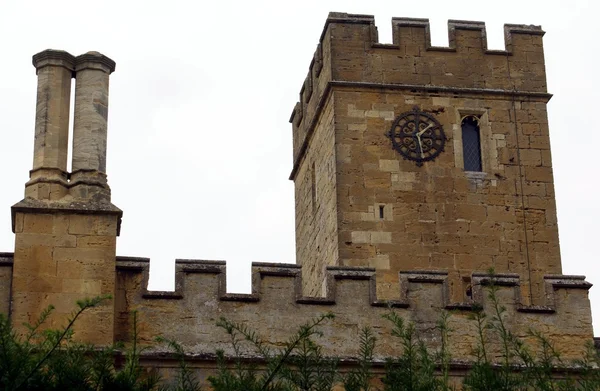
point(453, 25)
point(188, 314)
point(276, 303)
point(349, 54)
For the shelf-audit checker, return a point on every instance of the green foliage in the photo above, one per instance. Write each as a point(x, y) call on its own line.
point(49, 359)
point(415, 368)
point(46, 359)
point(486, 375)
point(361, 378)
point(308, 369)
point(185, 380)
point(520, 367)
point(300, 365)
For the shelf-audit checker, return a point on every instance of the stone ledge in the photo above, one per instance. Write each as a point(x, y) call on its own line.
point(53, 57)
point(378, 364)
point(94, 58)
point(92, 207)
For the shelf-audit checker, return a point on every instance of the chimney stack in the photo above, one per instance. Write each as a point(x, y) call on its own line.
point(88, 177)
point(66, 228)
point(48, 178)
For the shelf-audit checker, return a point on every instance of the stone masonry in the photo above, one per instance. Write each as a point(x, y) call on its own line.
point(65, 229)
point(389, 213)
point(374, 232)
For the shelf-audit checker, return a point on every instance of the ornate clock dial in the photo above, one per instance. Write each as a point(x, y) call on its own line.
point(417, 136)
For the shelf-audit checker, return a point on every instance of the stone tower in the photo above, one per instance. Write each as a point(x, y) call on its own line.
point(414, 157)
point(66, 227)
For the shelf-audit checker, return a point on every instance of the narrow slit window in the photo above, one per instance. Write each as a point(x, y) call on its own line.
point(381, 207)
point(313, 180)
point(471, 143)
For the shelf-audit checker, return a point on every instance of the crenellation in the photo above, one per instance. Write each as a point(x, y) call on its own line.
point(277, 294)
point(307, 88)
point(262, 287)
point(317, 63)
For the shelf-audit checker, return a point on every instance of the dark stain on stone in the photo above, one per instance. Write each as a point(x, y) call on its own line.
point(42, 121)
point(437, 110)
point(101, 160)
point(47, 96)
point(101, 106)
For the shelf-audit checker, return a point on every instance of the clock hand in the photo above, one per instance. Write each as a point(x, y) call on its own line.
point(420, 146)
point(424, 130)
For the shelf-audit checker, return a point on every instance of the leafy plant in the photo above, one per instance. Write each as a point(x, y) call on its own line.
point(414, 369)
point(50, 359)
point(279, 373)
point(360, 378)
point(185, 380)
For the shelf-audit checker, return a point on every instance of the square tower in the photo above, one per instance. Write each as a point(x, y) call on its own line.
point(414, 157)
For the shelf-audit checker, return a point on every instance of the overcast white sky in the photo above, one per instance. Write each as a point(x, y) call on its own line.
point(199, 145)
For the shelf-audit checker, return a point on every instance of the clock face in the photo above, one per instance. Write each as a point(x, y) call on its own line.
point(417, 136)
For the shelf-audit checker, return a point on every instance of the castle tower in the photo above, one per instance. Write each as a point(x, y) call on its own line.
point(414, 157)
point(65, 227)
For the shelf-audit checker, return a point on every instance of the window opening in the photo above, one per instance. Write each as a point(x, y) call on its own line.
point(313, 179)
point(381, 211)
point(468, 288)
point(471, 143)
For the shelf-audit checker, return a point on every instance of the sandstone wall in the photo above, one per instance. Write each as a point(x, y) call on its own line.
point(276, 307)
point(61, 258)
point(438, 216)
point(316, 209)
point(394, 215)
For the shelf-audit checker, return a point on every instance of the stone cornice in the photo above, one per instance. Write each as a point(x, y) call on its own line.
point(55, 58)
point(30, 205)
point(83, 61)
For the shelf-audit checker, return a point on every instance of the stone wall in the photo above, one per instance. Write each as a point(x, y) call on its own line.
point(61, 258)
point(316, 209)
point(276, 307)
point(438, 216)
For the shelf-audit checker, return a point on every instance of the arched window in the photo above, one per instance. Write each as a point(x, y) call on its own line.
point(471, 143)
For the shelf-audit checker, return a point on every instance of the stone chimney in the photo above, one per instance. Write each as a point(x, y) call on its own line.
point(48, 178)
point(66, 227)
point(88, 179)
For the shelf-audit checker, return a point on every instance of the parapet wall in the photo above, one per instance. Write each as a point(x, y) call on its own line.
point(276, 307)
point(349, 54)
